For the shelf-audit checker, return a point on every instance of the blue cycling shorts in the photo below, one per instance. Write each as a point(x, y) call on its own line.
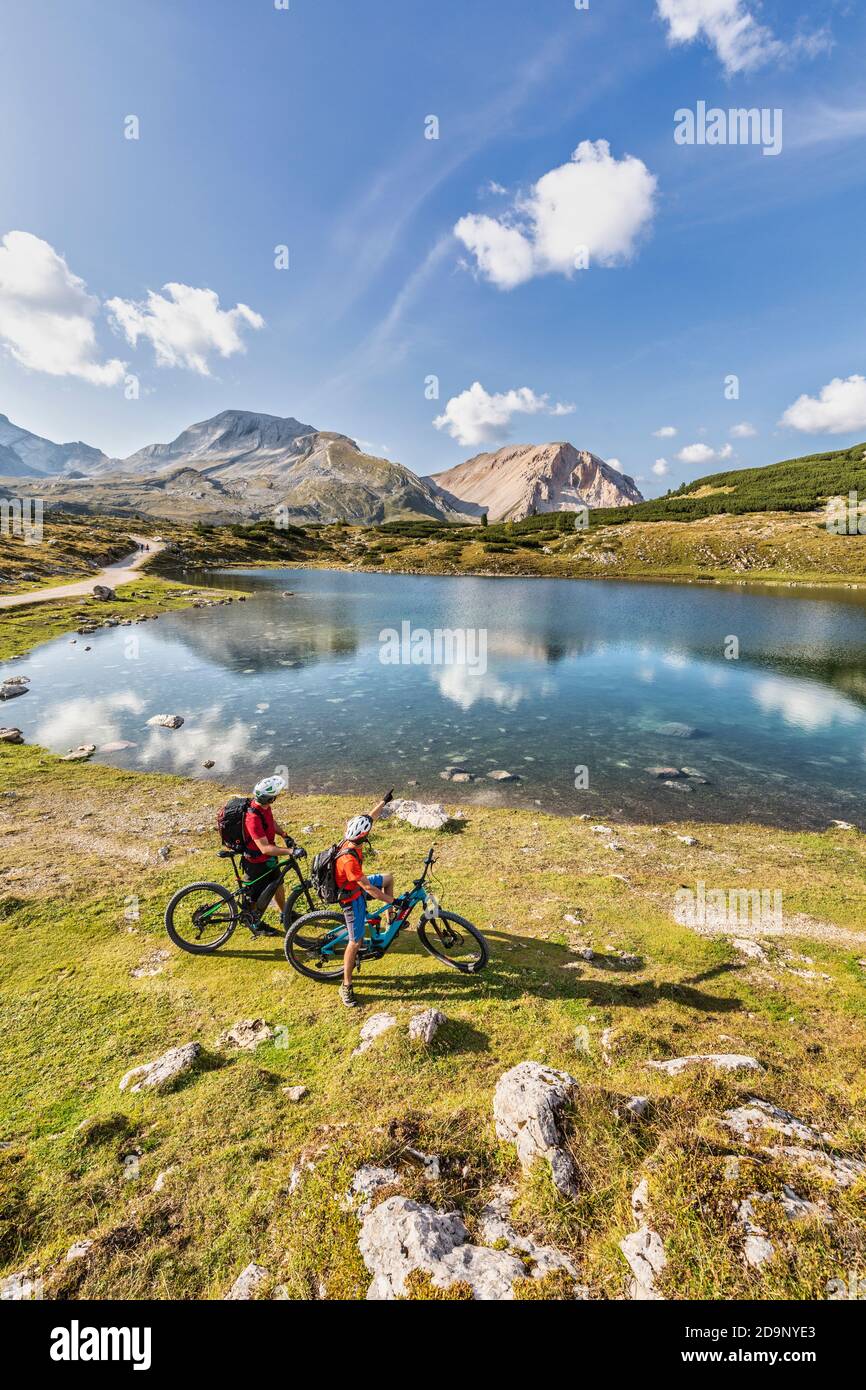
point(355, 912)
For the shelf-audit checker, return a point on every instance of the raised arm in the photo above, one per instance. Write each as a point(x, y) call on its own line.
point(377, 810)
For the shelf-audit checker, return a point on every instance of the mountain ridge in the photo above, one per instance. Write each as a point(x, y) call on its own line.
point(521, 480)
point(241, 465)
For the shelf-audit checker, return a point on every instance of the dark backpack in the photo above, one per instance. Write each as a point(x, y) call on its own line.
point(230, 823)
point(323, 871)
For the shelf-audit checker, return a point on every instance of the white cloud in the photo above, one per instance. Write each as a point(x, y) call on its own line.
point(238, 741)
point(46, 313)
point(839, 409)
point(614, 463)
point(184, 325)
point(87, 719)
point(666, 432)
point(464, 687)
point(803, 704)
point(594, 205)
point(741, 43)
point(477, 417)
point(696, 453)
point(503, 254)
point(702, 453)
point(660, 468)
point(744, 431)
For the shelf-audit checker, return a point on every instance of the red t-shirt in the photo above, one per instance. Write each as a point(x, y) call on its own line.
point(348, 869)
point(258, 825)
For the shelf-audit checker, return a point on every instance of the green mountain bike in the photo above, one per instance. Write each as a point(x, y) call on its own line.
point(201, 917)
point(315, 943)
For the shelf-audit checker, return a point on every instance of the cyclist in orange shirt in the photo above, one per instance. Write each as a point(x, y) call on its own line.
point(355, 887)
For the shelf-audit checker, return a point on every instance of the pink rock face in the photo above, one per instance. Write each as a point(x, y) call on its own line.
point(513, 482)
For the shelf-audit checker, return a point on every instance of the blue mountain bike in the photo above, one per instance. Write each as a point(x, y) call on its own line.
point(315, 943)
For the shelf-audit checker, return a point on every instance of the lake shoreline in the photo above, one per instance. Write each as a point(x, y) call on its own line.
point(710, 582)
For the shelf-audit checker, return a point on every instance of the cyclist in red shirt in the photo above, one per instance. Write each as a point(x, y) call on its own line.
point(260, 847)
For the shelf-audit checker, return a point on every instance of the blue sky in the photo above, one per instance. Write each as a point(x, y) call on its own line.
point(305, 127)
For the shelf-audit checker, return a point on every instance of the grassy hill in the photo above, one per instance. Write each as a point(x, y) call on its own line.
point(796, 485)
point(178, 1192)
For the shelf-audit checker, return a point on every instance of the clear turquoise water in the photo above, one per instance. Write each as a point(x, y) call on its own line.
point(579, 674)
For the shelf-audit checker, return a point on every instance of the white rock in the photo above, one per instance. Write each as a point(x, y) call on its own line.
point(637, 1107)
point(368, 1180)
point(295, 1093)
point(833, 1167)
point(528, 1107)
point(375, 1026)
point(247, 1035)
point(421, 815)
point(20, 1287)
point(78, 1250)
point(248, 1282)
point(757, 1247)
point(80, 754)
point(423, 1027)
point(165, 1070)
point(400, 1236)
point(601, 830)
point(431, 1163)
point(721, 1061)
point(502, 776)
point(752, 949)
point(640, 1202)
point(494, 1226)
point(747, 1121)
point(646, 1259)
point(162, 1178)
point(165, 721)
point(687, 839)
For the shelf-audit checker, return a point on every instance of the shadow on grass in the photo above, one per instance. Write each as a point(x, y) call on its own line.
point(519, 966)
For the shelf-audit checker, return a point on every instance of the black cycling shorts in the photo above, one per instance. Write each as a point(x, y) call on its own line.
point(260, 876)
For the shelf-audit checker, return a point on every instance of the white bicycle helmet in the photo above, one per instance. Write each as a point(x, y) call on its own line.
point(269, 788)
point(358, 826)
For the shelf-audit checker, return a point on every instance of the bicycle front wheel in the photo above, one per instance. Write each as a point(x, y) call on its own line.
point(455, 942)
point(201, 917)
point(299, 902)
point(315, 945)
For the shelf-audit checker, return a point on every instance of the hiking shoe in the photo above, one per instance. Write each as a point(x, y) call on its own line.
point(261, 930)
point(347, 997)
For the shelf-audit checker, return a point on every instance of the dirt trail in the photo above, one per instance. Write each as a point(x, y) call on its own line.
point(121, 572)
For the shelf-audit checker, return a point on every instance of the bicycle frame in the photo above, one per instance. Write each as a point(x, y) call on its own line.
point(263, 901)
point(375, 941)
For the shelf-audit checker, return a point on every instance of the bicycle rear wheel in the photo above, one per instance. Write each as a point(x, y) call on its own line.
point(201, 917)
point(455, 942)
point(315, 945)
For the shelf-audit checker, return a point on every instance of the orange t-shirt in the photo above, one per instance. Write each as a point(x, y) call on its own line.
point(348, 869)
